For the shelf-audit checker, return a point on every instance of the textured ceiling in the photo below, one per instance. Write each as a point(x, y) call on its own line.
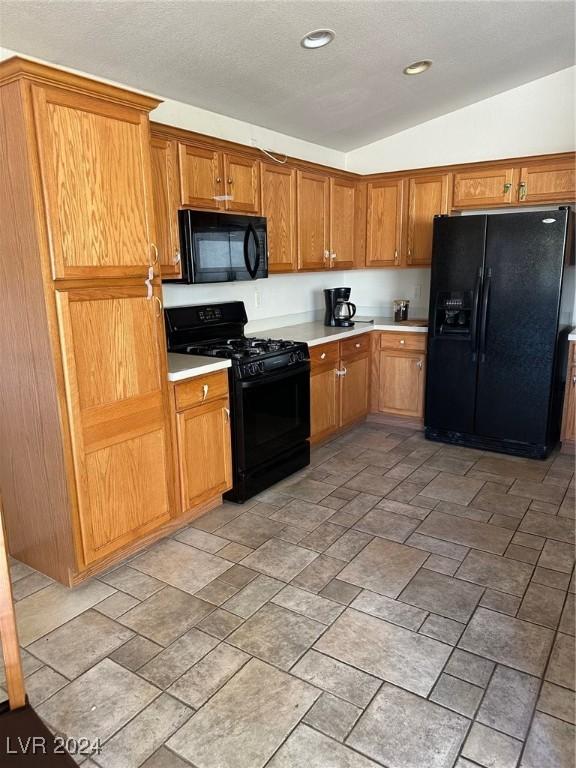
point(242, 58)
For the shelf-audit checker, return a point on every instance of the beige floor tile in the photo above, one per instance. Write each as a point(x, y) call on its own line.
point(173, 661)
point(561, 667)
point(380, 522)
point(444, 595)
point(98, 703)
point(180, 565)
point(468, 533)
point(207, 676)
point(226, 733)
point(386, 651)
point(405, 731)
point(308, 604)
point(489, 747)
point(550, 743)
point(166, 615)
point(509, 702)
point(384, 567)
point(338, 678)
point(390, 610)
point(500, 573)
point(276, 635)
point(40, 613)
point(517, 644)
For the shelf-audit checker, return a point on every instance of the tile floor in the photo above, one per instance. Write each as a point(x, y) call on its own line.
point(399, 603)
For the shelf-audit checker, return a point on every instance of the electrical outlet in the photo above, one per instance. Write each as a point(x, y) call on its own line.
point(418, 291)
point(257, 298)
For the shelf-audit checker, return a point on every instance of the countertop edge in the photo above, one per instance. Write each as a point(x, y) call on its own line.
point(196, 368)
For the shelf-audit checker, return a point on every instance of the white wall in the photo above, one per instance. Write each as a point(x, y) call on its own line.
point(536, 118)
point(281, 297)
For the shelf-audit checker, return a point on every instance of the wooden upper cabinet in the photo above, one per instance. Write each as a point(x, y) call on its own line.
point(95, 174)
point(165, 195)
point(242, 184)
point(384, 223)
point(313, 192)
point(278, 187)
point(546, 183)
point(201, 180)
point(428, 196)
point(112, 342)
point(342, 221)
point(483, 188)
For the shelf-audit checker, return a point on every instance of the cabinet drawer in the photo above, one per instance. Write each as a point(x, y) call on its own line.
point(324, 354)
point(355, 346)
point(412, 341)
point(201, 389)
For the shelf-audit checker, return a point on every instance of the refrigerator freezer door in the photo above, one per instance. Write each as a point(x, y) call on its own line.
point(519, 325)
point(455, 292)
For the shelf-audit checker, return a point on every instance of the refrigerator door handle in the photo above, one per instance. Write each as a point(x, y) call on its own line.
point(484, 322)
point(474, 320)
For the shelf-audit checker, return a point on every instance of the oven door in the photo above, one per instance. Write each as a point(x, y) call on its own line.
point(271, 416)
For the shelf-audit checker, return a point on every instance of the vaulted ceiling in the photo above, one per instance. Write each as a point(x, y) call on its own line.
point(243, 58)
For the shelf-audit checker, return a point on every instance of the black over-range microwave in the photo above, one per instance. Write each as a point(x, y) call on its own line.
point(221, 247)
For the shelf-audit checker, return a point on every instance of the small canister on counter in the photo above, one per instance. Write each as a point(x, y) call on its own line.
point(401, 310)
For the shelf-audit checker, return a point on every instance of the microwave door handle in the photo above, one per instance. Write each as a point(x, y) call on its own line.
point(252, 270)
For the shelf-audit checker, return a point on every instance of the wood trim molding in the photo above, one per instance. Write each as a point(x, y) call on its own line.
point(160, 130)
point(18, 68)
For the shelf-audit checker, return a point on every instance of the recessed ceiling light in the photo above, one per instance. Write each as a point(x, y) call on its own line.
point(417, 68)
point(318, 38)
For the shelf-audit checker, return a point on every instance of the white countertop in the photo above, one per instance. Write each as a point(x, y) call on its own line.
point(572, 335)
point(182, 367)
point(318, 333)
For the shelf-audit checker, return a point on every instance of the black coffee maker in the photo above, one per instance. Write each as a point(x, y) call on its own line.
point(339, 311)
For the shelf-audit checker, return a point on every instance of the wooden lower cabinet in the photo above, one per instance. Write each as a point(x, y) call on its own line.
point(339, 385)
point(203, 439)
point(399, 373)
point(401, 388)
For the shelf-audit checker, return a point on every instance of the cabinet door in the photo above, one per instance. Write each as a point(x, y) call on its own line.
point(547, 183)
point(242, 184)
point(324, 403)
point(383, 239)
point(201, 181)
point(479, 189)
point(355, 385)
point(342, 220)
point(95, 175)
point(204, 452)
point(401, 383)
point(165, 195)
point(116, 388)
point(428, 197)
point(278, 185)
point(569, 419)
point(313, 213)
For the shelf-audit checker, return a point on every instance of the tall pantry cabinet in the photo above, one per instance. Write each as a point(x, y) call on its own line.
point(86, 466)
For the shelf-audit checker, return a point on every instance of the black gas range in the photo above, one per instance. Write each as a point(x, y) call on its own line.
point(269, 383)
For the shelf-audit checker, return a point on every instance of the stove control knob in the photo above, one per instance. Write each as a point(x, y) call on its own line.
point(300, 354)
point(293, 357)
point(261, 366)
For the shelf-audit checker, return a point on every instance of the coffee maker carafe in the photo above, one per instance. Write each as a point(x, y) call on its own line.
point(339, 311)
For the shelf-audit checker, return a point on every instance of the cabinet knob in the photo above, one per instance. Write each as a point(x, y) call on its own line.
point(396, 256)
point(218, 179)
point(158, 301)
point(326, 255)
point(154, 249)
point(419, 363)
point(323, 355)
point(402, 341)
point(507, 187)
point(229, 181)
point(357, 345)
point(177, 257)
point(204, 391)
point(227, 412)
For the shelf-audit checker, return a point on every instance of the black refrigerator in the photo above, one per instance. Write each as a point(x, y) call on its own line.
point(501, 303)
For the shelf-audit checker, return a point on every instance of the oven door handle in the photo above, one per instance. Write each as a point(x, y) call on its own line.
point(271, 378)
point(251, 232)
